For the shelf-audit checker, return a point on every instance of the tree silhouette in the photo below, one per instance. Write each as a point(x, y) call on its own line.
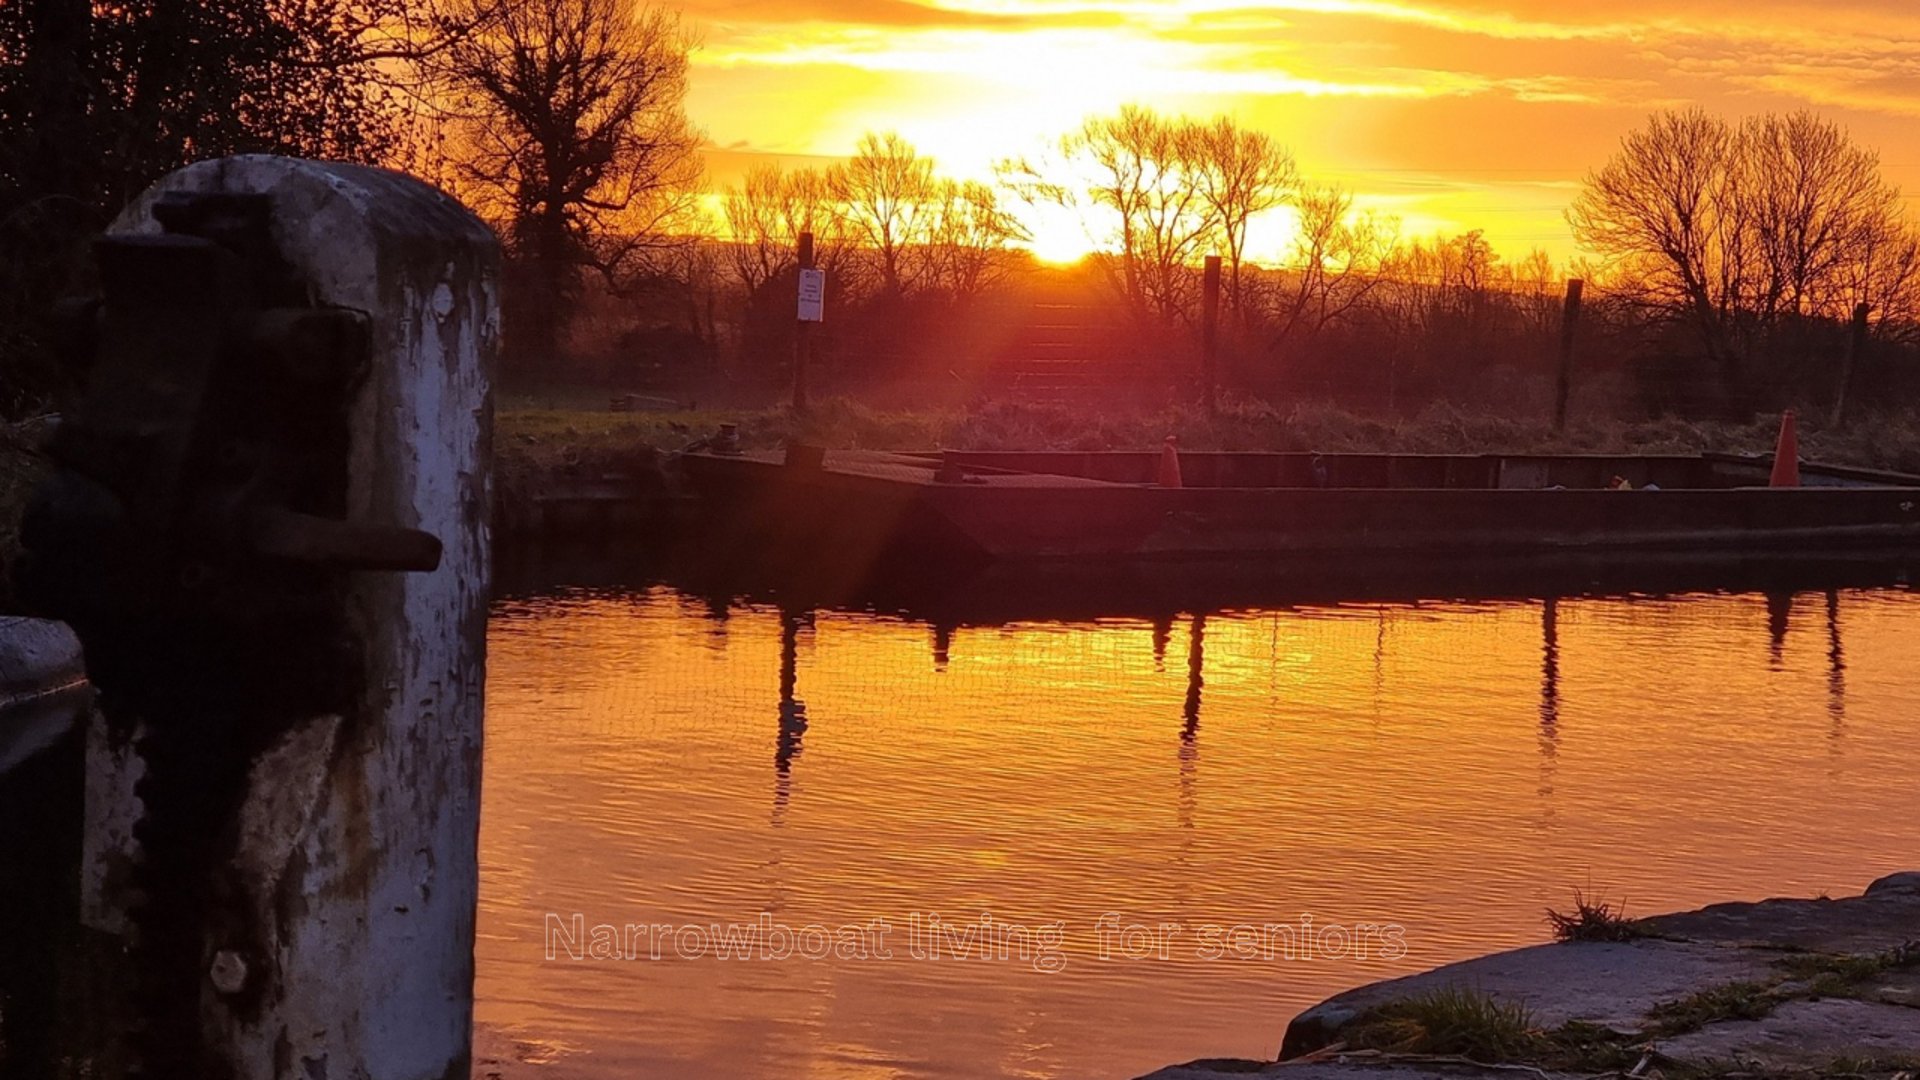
point(1746, 233)
point(576, 141)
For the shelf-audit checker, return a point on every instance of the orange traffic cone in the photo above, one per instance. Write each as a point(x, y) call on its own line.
point(1786, 454)
point(1170, 463)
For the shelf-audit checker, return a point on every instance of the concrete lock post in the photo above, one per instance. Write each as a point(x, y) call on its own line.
point(269, 527)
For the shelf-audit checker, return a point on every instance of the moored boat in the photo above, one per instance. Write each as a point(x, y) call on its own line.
point(1016, 505)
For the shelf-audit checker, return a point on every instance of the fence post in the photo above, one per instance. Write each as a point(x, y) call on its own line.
point(1569, 321)
point(1856, 344)
point(283, 785)
point(803, 331)
point(1209, 330)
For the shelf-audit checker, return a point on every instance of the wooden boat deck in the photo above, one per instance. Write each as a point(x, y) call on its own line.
point(909, 468)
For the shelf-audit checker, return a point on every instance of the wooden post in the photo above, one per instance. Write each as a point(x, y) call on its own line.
point(803, 331)
point(1569, 321)
point(1856, 344)
point(1209, 330)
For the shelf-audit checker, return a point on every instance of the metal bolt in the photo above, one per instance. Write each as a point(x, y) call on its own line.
point(228, 972)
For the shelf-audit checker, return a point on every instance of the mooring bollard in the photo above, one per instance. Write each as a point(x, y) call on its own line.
point(269, 529)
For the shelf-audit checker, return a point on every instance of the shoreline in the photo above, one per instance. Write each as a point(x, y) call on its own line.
point(574, 470)
point(585, 466)
point(1772, 988)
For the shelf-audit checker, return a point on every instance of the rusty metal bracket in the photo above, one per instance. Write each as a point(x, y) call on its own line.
point(213, 407)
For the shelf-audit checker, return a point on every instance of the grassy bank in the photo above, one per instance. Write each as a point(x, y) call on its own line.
point(534, 442)
point(533, 446)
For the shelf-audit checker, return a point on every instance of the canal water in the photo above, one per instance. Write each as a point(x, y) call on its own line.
point(743, 837)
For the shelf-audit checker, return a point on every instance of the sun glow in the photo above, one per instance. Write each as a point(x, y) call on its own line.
point(1055, 235)
point(1449, 116)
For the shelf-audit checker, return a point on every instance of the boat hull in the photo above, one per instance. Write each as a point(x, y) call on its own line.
point(876, 505)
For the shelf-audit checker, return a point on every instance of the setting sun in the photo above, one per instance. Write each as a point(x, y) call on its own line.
point(1056, 236)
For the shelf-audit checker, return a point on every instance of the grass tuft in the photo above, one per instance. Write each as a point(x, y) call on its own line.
point(1450, 1021)
point(1593, 920)
point(1728, 1001)
point(1845, 975)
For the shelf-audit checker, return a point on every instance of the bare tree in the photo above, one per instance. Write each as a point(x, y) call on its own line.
point(1535, 284)
point(1130, 179)
point(1240, 173)
point(888, 194)
point(1748, 233)
point(760, 238)
point(1812, 199)
point(577, 142)
point(969, 239)
point(1175, 219)
point(1885, 276)
point(1339, 258)
point(1665, 205)
point(765, 217)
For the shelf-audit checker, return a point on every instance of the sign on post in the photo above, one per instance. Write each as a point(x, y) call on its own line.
point(813, 294)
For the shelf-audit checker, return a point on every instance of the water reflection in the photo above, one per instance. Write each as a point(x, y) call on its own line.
point(942, 646)
point(1836, 667)
point(1779, 614)
point(1449, 766)
point(1196, 679)
point(793, 711)
point(1549, 705)
point(1549, 676)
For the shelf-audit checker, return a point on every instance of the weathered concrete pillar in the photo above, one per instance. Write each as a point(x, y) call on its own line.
point(330, 897)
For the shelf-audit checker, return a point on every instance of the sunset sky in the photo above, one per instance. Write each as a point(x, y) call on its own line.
point(1453, 114)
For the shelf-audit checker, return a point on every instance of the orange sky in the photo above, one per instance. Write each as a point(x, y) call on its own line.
point(1453, 114)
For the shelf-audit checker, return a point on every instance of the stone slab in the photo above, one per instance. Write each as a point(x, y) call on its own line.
point(1803, 1035)
point(1883, 919)
point(37, 656)
point(1233, 1069)
point(1893, 988)
point(1904, 881)
point(1612, 984)
point(43, 686)
point(1616, 985)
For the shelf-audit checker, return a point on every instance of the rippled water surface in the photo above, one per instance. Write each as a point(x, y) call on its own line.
point(1446, 769)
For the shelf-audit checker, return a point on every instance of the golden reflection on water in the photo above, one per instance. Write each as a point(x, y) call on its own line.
point(1451, 769)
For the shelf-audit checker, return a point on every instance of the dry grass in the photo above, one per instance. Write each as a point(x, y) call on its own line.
point(1730, 1001)
point(553, 437)
point(1595, 919)
point(1450, 1021)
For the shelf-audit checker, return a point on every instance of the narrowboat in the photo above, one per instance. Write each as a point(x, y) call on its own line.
point(1071, 507)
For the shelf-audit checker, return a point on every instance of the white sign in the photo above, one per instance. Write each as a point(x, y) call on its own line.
point(813, 295)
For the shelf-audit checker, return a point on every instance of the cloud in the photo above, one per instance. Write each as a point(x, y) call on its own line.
point(891, 14)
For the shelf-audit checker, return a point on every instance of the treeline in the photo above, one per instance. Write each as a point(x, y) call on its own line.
point(1723, 261)
point(1724, 266)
